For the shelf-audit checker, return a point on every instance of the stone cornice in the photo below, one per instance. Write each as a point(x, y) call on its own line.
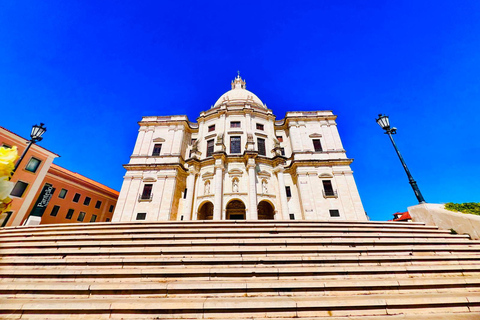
point(156, 167)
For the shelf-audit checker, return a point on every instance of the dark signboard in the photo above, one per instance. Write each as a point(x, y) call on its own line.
point(43, 200)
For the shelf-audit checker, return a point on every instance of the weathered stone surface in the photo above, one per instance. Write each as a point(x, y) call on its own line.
point(280, 270)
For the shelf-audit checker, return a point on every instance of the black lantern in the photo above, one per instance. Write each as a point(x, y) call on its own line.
point(37, 132)
point(384, 123)
point(36, 135)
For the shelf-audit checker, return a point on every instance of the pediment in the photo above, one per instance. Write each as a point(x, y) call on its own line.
point(207, 175)
point(264, 173)
point(149, 179)
point(158, 140)
point(315, 135)
point(325, 175)
point(236, 172)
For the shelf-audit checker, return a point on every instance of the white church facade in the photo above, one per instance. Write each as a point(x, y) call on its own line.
point(239, 163)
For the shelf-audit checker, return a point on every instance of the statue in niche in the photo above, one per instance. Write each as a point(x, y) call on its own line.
point(195, 146)
point(220, 138)
point(276, 143)
point(235, 185)
point(264, 187)
point(207, 187)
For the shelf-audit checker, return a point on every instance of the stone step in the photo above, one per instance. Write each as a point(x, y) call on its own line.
point(238, 223)
point(344, 261)
point(214, 307)
point(252, 236)
point(59, 289)
point(457, 315)
point(245, 272)
point(241, 242)
point(243, 250)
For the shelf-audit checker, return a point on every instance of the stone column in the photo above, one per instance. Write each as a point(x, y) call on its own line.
point(295, 137)
point(217, 206)
point(178, 141)
point(187, 213)
point(283, 195)
point(252, 190)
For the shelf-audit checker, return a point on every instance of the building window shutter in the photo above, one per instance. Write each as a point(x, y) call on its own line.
point(147, 191)
point(328, 188)
point(210, 148)
point(235, 145)
point(317, 145)
point(156, 149)
point(261, 147)
point(288, 191)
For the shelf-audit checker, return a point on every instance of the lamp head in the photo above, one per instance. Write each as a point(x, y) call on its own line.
point(383, 122)
point(37, 132)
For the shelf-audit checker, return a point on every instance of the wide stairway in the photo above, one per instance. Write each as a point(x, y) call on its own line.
point(238, 270)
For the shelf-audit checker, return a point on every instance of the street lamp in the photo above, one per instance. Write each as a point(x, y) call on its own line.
point(384, 123)
point(36, 135)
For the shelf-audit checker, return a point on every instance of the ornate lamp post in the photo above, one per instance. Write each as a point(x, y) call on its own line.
point(36, 135)
point(384, 123)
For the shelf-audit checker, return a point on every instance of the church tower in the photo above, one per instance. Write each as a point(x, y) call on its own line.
point(237, 162)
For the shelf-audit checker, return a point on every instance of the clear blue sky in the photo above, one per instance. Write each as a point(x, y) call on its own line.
point(91, 69)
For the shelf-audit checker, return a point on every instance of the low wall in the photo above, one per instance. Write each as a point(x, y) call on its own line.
point(436, 214)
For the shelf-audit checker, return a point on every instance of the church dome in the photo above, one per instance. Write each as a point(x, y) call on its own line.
point(239, 95)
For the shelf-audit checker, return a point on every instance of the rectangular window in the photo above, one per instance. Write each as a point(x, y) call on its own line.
point(280, 138)
point(288, 191)
point(107, 220)
point(261, 147)
point(193, 141)
point(87, 201)
point(81, 216)
point(93, 218)
point(70, 214)
point(328, 188)
point(211, 128)
point(141, 215)
point(98, 204)
point(156, 149)
point(19, 189)
point(111, 208)
point(235, 145)
point(292, 216)
point(210, 148)
point(260, 126)
point(147, 191)
point(54, 211)
point(76, 197)
point(334, 213)
point(63, 193)
point(33, 165)
point(6, 146)
point(282, 151)
point(317, 145)
point(185, 194)
point(235, 124)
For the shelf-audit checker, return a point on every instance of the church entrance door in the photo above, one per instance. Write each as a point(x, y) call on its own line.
point(206, 211)
point(235, 210)
point(265, 211)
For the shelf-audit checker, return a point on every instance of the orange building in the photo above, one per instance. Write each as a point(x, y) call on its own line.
point(74, 198)
point(51, 193)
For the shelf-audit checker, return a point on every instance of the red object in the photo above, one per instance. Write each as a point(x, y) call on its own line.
point(402, 216)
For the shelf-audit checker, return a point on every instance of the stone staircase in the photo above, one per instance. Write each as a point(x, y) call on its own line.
point(238, 270)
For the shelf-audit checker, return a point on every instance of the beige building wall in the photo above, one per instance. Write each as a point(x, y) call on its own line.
point(185, 181)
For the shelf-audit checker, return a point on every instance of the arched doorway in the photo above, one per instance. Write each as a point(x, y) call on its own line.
point(235, 210)
point(205, 212)
point(265, 211)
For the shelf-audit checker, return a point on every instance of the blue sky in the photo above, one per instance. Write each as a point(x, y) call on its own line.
point(91, 69)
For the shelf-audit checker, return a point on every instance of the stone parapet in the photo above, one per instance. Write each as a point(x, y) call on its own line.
point(436, 214)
